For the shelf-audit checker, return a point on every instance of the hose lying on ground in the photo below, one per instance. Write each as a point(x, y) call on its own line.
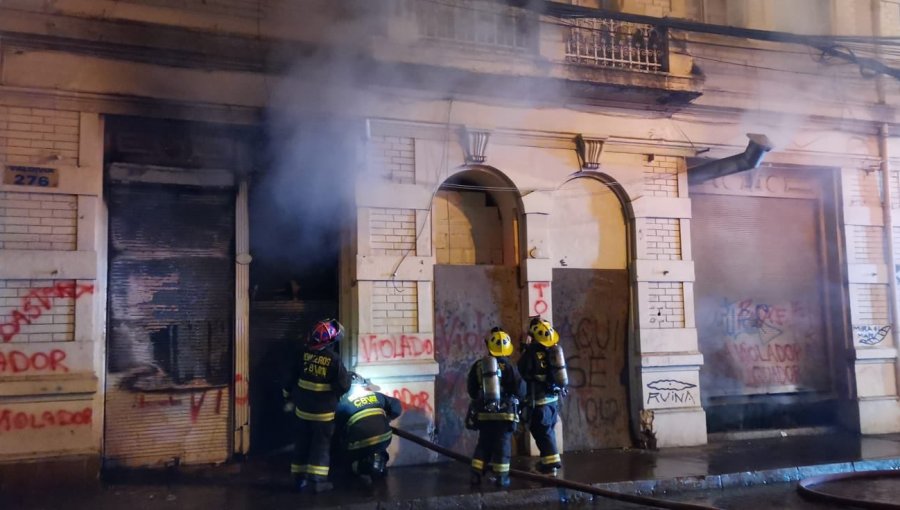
point(558, 482)
point(805, 488)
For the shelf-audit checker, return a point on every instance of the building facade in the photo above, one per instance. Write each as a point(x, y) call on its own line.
point(189, 185)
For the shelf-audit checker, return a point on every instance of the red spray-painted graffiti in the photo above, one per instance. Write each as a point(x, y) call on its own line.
point(11, 421)
point(766, 345)
point(540, 306)
point(414, 400)
point(37, 302)
point(241, 390)
point(767, 365)
point(17, 362)
point(395, 347)
point(197, 399)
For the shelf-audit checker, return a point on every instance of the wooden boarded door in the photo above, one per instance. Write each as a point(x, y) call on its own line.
point(469, 301)
point(590, 311)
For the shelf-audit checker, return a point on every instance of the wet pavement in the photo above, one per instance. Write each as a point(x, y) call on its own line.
point(716, 472)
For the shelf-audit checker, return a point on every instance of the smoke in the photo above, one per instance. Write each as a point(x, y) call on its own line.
point(356, 60)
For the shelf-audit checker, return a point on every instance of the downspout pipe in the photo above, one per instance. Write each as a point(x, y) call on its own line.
point(752, 156)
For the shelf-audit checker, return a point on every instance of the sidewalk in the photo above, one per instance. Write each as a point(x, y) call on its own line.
point(265, 484)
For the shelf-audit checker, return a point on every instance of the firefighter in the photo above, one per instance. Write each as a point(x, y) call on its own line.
point(495, 387)
point(363, 429)
point(543, 367)
point(317, 382)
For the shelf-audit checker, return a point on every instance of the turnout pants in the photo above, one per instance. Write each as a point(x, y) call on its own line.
point(494, 446)
point(346, 462)
point(543, 420)
point(312, 444)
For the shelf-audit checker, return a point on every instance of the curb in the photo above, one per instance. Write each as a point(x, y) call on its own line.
point(543, 496)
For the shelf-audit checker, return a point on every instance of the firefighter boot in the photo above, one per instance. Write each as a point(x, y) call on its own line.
point(502, 480)
point(475, 479)
point(547, 469)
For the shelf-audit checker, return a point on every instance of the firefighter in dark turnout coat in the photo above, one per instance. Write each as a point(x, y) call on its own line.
point(363, 429)
point(495, 387)
point(540, 366)
point(317, 382)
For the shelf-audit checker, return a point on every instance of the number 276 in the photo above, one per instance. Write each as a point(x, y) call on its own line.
point(31, 180)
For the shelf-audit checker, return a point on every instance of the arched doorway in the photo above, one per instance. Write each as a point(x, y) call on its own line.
point(475, 235)
point(591, 290)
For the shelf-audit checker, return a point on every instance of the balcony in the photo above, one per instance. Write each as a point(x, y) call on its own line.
point(490, 47)
point(617, 44)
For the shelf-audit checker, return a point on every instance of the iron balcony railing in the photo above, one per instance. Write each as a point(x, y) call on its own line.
point(476, 23)
point(617, 44)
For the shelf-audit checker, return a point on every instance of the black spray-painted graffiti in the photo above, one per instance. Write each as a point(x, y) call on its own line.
point(871, 335)
point(670, 391)
point(747, 317)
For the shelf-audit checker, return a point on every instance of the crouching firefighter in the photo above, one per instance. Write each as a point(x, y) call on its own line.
point(363, 429)
point(317, 382)
point(543, 366)
point(495, 387)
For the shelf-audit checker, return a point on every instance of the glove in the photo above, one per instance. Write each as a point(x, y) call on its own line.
point(472, 416)
point(288, 407)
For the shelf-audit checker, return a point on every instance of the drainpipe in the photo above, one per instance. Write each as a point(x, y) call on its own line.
point(887, 202)
point(752, 156)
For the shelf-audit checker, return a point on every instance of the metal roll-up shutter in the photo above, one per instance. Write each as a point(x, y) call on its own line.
point(171, 302)
point(759, 295)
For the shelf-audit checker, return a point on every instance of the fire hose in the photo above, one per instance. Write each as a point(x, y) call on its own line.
point(806, 490)
point(558, 482)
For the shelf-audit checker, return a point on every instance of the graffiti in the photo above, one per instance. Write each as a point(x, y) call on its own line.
point(776, 353)
point(766, 321)
point(539, 306)
point(143, 402)
point(768, 375)
point(675, 397)
point(670, 385)
point(587, 362)
point(595, 413)
point(459, 334)
point(459, 340)
point(37, 302)
point(13, 421)
point(196, 400)
point(756, 345)
point(414, 400)
point(592, 374)
point(598, 412)
point(241, 390)
point(395, 347)
point(17, 362)
point(769, 364)
point(670, 391)
point(870, 335)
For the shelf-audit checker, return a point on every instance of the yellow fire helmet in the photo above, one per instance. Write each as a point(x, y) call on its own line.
point(543, 332)
point(499, 343)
